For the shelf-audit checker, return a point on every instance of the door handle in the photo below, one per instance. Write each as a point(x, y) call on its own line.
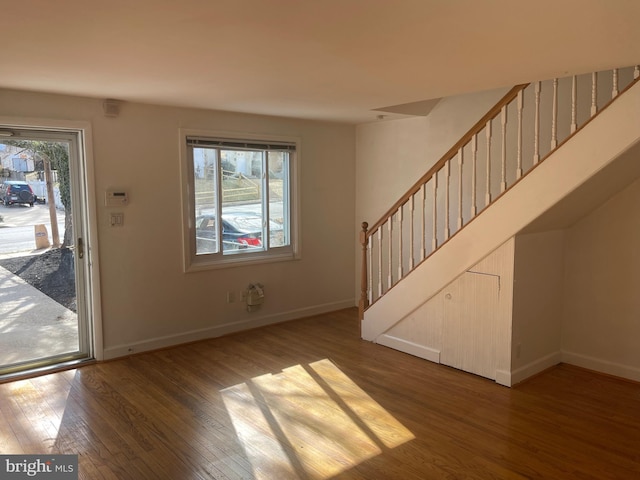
point(80, 248)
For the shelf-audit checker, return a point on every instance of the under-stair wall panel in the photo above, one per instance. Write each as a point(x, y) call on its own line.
point(420, 334)
point(472, 311)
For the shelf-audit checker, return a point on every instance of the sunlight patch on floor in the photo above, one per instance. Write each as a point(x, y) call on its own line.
point(309, 421)
point(44, 418)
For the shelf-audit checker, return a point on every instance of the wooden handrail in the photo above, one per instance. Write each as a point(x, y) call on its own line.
point(466, 138)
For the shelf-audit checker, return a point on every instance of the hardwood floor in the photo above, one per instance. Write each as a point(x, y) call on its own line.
point(308, 399)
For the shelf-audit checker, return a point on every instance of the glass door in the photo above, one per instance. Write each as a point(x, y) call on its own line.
point(44, 301)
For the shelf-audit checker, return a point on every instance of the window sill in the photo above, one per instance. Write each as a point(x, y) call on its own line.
point(203, 263)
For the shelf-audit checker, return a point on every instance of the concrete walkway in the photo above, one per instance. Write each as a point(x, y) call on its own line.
point(32, 325)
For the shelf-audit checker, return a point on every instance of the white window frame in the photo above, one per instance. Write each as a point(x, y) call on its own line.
point(193, 262)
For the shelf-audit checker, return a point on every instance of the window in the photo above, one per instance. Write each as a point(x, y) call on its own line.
point(240, 202)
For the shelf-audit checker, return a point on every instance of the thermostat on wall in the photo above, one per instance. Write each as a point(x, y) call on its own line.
point(116, 198)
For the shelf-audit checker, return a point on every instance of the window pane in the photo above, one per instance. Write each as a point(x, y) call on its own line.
point(204, 172)
point(278, 199)
point(241, 194)
point(242, 204)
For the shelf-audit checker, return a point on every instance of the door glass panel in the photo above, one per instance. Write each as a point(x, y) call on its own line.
point(40, 319)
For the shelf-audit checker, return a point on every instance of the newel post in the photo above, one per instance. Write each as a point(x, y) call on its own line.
point(364, 283)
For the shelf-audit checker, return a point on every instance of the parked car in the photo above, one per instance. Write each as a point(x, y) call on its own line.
point(240, 231)
point(16, 192)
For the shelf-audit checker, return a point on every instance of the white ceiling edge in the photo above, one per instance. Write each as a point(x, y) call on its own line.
point(336, 60)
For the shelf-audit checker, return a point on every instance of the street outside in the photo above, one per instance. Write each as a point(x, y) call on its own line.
point(37, 298)
point(17, 233)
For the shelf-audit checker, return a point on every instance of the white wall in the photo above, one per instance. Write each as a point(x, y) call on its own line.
point(392, 155)
point(148, 301)
point(537, 302)
point(601, 326)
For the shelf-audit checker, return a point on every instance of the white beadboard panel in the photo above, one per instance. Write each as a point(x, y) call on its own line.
point(422, 327)
point(421, 332)
point(500, 263)
point(504, 378)
point(470, 334)
point(405, 346)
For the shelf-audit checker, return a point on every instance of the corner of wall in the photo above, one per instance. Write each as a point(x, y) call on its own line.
point(535, 367)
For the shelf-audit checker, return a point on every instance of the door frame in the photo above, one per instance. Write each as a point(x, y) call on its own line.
point(87, 195)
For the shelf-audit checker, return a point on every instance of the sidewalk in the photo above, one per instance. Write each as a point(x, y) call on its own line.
point(32, 325)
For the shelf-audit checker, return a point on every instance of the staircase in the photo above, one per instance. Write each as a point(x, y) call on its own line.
point(538, 144)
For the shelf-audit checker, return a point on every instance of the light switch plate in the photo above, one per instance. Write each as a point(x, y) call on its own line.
point(116, 219)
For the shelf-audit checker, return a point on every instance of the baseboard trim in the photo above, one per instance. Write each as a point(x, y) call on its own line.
point(411, 348)
point(535, 367)
point(503, 378)
point(602, 366)
point(157, 343)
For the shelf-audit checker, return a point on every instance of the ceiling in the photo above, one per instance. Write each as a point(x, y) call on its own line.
point(334, 60)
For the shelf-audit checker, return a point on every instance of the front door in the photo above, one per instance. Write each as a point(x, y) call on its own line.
point(44, 270)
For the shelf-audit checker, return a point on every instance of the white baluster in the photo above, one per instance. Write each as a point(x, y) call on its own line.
point(370, 273)
point(554, 115)
point(594, 93)
point(460, 160)
point(447, 178)
point(423, 241)
point(574, 103)
point(474, 157)
point(519, 154)
point(503, 173)
point(434, 214)
point(614, 92)
point(411, 220)
point(536, 126)
point(488, 186)
point(400, 243)
point(380, 261)
point(390, 259)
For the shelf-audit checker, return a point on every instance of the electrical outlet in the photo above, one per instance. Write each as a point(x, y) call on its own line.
point(231, 297)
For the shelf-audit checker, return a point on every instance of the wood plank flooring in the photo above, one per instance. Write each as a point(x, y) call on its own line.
point(309, 400)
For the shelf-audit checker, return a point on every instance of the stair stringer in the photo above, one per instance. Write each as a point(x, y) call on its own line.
point(595, 146)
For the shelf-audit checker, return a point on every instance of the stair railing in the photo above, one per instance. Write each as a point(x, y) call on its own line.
point(523, 129)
